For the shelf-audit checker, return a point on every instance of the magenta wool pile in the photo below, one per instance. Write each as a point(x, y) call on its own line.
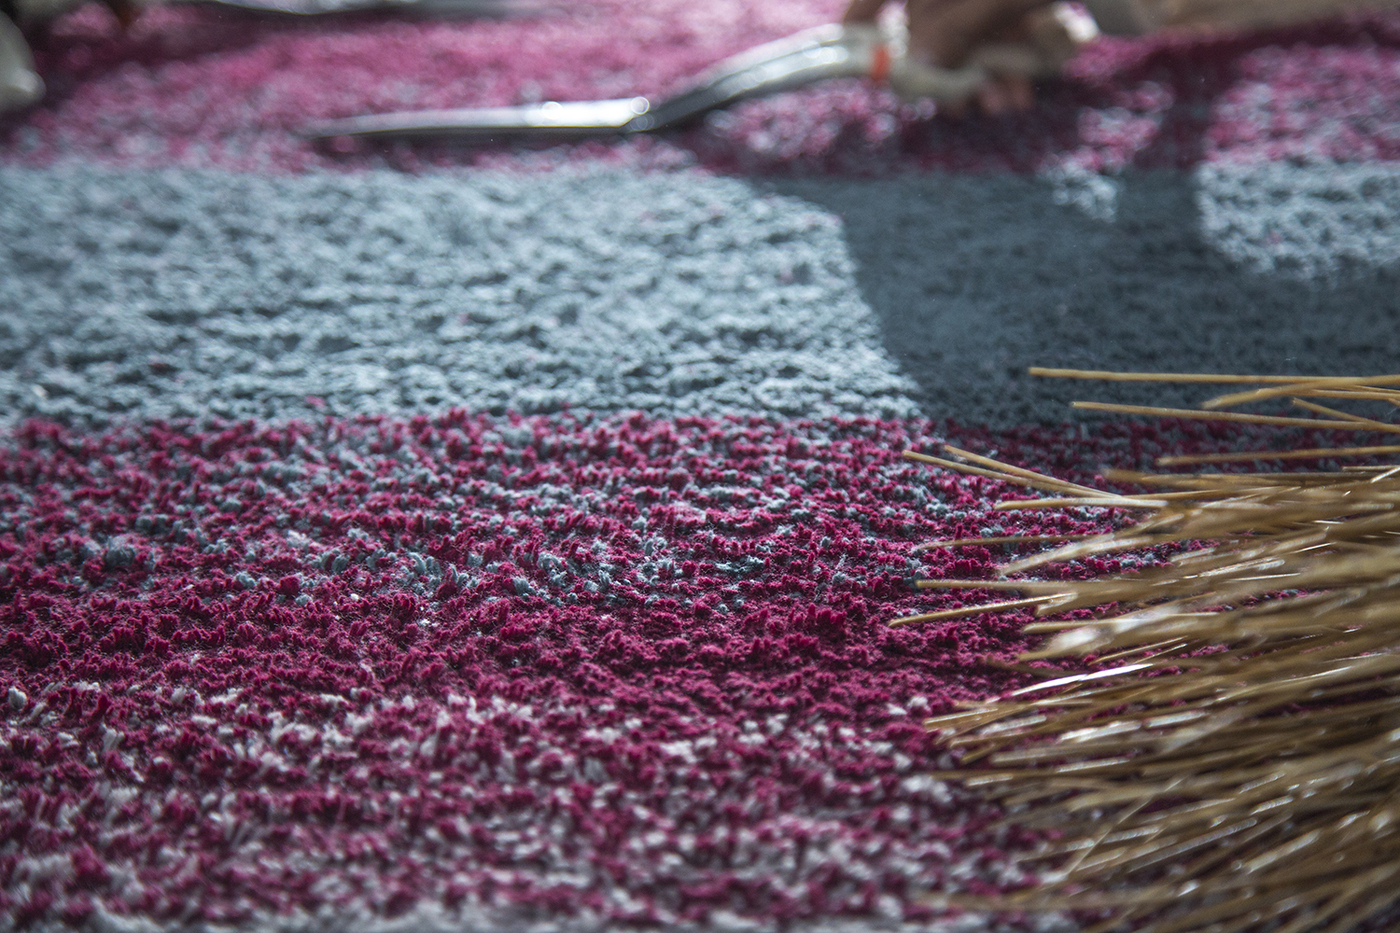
point(615, 670)
point(622, 669)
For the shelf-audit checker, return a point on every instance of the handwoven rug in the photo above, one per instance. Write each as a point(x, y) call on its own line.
point(427, 539)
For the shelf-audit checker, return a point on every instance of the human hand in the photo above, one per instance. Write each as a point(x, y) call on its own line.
point(20, 84)
point(1015, 41)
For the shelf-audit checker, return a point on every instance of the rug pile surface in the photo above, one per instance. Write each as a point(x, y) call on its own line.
point(504, 539)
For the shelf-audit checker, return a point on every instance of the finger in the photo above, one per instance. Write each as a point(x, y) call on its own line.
point(862, 11)
point(992, 99)
point(1020, 92)
point(20, 86)
point(126, 11)
point(946, 33)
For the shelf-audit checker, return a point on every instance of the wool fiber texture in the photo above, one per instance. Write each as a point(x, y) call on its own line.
point(428, 539)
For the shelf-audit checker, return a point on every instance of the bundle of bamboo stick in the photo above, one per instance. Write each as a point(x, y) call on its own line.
point(1225, 755)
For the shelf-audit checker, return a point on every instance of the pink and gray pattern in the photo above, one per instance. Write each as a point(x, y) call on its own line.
point(428, 540)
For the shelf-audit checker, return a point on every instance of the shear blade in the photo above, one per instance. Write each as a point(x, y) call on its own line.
point(818, 54)
point(434, 9)
point(809, 57)
point(549, 120)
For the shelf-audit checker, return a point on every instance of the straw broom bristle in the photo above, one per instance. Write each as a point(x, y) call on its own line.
point(1227, 757)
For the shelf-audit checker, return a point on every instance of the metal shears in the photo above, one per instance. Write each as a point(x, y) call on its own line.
point(423, 9)
point(810, 56)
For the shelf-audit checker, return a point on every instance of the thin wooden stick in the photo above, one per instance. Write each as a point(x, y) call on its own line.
point(1345, 416)
point(1357, 395)
point(966, 611)
point(1040, 478)
point(1301, 387)
point(1226, 483)
point(1107, 502)
point(1017, 585)
point(999, 539)
point(1208, 378)
point(978, 471)
point(1236, 416)
point(1316, 453)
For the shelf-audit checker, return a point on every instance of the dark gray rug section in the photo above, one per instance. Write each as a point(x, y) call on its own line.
point(176, 294)
point(1266, 269)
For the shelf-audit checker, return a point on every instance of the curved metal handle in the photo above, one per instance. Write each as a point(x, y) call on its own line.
point(830, 51)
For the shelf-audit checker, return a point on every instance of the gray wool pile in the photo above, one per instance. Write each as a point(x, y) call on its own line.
point(185, 294)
